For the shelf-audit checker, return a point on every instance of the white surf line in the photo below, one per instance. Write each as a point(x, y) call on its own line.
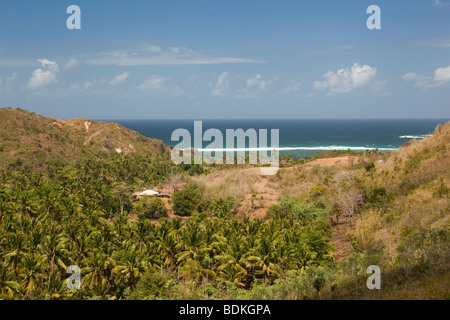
point(423, 136)
point(293, 149)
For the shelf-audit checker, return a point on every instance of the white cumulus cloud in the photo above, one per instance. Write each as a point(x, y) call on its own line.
point(292, 88)
point(255, 87)
point(441, 77)
point(346, 79)
point(221, 84)
point(44, 76)
point(160, 85)
point(119, 79)
point(420, 80)
point(258, 82)
point(155, 83)
point(442, 74)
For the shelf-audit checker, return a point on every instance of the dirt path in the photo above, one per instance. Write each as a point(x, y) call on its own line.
point(340, 240)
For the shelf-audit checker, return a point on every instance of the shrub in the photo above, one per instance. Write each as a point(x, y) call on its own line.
point(406, 186)
point(188, 200)
point(369, 166)
point(378, 198)
point(317, 191)
point(194, 169)
point(442, 190)
point(308, 212)
point(153, 286)
point(151, 208)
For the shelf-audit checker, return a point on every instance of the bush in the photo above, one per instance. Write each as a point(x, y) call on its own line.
point(194, 169)
point(151, 208)
point(291, 208)
point(317, 192)
point(308, 212)
point(378, 198)
point(369, 166)
point(187, 201)
point(153, 286)
point(442, 190)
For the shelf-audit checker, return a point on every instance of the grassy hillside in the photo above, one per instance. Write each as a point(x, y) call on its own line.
point(30, 139)
point(409, 191)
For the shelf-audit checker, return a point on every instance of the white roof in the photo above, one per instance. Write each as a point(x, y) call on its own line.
point(148, 193)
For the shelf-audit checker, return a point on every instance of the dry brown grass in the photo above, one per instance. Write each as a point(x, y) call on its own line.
point(35, 139)
point(371, 230)
point(237, 183)
point(413, 175)
point(434, 285)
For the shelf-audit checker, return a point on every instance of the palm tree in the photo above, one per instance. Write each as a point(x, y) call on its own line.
point(79, 247)
point(130, 267)
point(231, 269)
point(32, 272)
point(16, 250)
point(8, 283)
point(122, 191)
point(54, 248)
point(96, 274)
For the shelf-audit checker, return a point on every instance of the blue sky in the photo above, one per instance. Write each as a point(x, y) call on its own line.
point(226, 59)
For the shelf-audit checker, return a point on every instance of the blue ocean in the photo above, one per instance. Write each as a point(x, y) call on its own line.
point(304, 138)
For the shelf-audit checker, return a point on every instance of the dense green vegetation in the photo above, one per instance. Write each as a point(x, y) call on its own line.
point(57, 211)
point(73, 216)
point(187, 201)
point(150, 208)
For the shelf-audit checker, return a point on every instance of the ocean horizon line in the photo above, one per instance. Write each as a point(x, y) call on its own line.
point(273, 119)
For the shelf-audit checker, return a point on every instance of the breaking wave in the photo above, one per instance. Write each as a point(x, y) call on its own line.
point(321, 148)
point(422, 136)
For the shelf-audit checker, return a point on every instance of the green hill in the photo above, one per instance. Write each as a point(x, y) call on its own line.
point(30, 139)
